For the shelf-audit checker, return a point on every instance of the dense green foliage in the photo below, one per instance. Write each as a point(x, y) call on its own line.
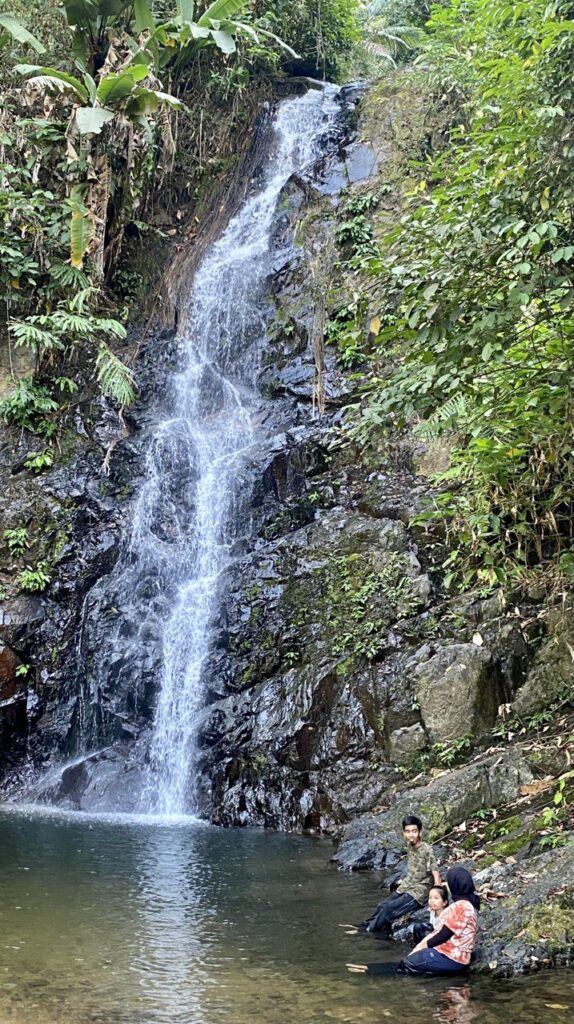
point(323, 32)
point(102, 107)
point(400, 12)
point(475, 337)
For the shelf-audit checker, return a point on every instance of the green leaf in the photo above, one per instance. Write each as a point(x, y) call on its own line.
point(80, 12)
point(91, 120)
point(221, 10)
point(171, 101)
point(143, 17)
point(87, 12)
point(185, 10)
point(81, 229)
point(115, 378)
point(119, 84)
point(54, 78)
point(18, 32)
point(224, 41)
point(91, 86)
point(142, 101)
point(276, 39)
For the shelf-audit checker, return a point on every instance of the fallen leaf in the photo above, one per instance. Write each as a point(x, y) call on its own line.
point(557, 1006)
point(375, 325)
point(533, 788)
point(477, 639)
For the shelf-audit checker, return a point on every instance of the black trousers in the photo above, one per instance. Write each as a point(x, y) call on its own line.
point(420, 931)
point(389, 910)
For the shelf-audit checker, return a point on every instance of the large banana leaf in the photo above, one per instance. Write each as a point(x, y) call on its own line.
point(171, 101)
point(279, 41)
point(143, 17)
point(80, 12)
point(51, 76)
point(91, 120)
point(220, 10)
point(224, 40)
point(119, 84)
point(16, 29)
point(142, 101)
point(146, 101)
point(81, 229)
point(87, 12)
point(185, 10)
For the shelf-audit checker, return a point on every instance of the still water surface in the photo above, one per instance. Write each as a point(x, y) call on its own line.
point(127, 922)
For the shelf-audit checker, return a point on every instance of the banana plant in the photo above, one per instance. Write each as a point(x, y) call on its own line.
point(177, 41)
point(119, 95)
point(92, 22)
point(13, 27)
point(118, 92)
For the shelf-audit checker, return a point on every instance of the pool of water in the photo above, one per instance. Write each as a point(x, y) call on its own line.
point(132, 922)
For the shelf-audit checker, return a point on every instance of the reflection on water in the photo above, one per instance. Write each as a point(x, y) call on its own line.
point(130, 923)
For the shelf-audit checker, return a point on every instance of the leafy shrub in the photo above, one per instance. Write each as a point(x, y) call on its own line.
point(29, 405)
point(477, 335)
point(34, 580)
point(16, 540)
point(322, 32)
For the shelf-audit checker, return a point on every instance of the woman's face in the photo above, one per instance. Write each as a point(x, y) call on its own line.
point(436, 902)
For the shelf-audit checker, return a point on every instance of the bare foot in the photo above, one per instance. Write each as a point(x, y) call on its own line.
point(357, 968)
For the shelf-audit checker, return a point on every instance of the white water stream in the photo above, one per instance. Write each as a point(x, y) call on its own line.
point(206, 441)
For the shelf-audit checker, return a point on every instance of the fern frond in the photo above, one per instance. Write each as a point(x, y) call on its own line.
point(113, 328)
point(442, 418)
point(28, 335)
point(116, 380)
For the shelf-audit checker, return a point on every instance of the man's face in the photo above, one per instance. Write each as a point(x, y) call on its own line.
point(411, 834)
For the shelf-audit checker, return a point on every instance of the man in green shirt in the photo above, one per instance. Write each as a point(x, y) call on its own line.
point(412, 891)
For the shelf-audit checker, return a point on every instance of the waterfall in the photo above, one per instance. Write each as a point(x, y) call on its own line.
point(185, 538)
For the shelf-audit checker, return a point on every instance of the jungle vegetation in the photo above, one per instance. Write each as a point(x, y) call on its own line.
point(105, 105)
point(474, 328)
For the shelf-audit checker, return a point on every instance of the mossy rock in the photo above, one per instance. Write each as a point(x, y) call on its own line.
point(551, 924)
point(502, 827)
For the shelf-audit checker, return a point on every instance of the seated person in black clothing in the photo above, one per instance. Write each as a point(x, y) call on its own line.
point(412, 891)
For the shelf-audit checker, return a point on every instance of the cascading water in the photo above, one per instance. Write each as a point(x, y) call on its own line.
point(147, 627)
point(206, 441)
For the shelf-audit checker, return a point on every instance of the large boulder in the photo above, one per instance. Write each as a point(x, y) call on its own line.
point(458, 691)
point(405, 743)
point(552, 670)
point(446, 801)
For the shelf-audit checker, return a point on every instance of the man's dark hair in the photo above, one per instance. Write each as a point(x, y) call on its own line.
point(411, 819)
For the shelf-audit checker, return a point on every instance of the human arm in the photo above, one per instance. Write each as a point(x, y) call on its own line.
point(436, 877)
point(437, 938)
